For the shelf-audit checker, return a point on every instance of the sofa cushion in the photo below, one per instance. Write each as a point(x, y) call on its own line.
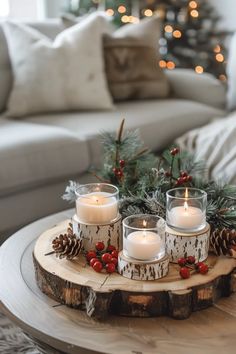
point(204, 88)
point(67, 74)
point(31, 155)
point(159, 121)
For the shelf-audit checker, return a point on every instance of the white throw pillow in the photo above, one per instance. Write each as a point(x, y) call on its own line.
point(231, 72)
point(67, 74)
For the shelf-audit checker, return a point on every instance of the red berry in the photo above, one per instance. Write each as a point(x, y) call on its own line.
point(191, 259)
point(182, 262)
point(168, 174)
point(114, 254)
point(106, 258)
point(184, 179)
point(184, 273)
point(92, 261)
point(180, 181)
point(184, 174)
point(100, 246)
point(97, 266)
point(110, 268)
point(189, 178)
point(115, 170)
point(119, 174)
point(122, 163)
point(197, 265)
point(110, 248)
point(90, 255)
point(203, 268)
point(114, 261)
point(176, 151)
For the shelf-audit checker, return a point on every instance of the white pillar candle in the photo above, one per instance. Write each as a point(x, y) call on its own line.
point(97, 208)
point(186, 217)
point(143, 245)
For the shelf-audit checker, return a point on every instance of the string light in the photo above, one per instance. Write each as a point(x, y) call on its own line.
point(193, 4)
point(170, 65)
point(177, 34)
point(199, 69)
point(168, 29)
point(110, 12)
point(121, 9)
point(148, 13)
point(217, 48)
point(222, 77)
point(220, 58)
point(194, 13)
point(162, 64)
point(125, 19)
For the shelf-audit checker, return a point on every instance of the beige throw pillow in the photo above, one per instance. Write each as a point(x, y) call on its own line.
point(132, 61)
point(67, 74)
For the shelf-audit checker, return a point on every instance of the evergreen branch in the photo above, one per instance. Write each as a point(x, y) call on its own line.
point(120, 132)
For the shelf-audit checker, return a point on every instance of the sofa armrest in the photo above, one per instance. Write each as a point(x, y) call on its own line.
point(204, 88)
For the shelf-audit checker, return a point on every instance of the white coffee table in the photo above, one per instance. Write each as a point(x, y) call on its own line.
point(210, 331)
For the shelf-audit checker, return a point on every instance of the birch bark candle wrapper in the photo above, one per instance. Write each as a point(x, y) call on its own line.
point(97, 203)
point(186, 209)
point(144, 237)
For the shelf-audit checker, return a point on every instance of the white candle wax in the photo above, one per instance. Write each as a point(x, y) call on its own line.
point(143, 245)
point(97, 208)
point(186, 217)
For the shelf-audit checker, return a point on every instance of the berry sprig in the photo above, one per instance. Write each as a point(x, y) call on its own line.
point(189, 266)
point(183, 178)
point(102, 258)
point(119, 171)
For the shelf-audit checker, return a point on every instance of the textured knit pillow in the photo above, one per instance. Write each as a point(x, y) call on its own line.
point(231, 72)
point(131, 61)
point(67, 74)
point(131, 57)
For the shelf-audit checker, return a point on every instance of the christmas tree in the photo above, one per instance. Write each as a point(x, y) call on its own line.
point(189, 34)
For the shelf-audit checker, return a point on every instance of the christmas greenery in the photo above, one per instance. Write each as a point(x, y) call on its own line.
point(143, 179)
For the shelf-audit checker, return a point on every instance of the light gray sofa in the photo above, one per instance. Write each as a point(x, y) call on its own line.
point(39, 154)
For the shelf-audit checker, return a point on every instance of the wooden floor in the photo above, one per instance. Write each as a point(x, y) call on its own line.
point(210, 331)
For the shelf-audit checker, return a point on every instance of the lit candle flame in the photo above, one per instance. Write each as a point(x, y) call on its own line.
point(186, 193)
point(144, 223)
point(186, 197)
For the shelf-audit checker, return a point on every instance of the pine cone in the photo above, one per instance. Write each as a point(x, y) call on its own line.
point(67, 245)
point(223, 241)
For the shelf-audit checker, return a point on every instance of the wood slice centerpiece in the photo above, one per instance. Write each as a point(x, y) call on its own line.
point(76, 284)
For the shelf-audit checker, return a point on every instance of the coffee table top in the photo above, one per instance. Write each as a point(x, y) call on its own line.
point(69, 330)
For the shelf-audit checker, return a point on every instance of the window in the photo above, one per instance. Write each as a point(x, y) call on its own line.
point(4, 8)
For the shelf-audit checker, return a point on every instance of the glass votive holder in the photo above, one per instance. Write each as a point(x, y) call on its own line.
point(186, 209)
point(97, 203)
point(144, 237)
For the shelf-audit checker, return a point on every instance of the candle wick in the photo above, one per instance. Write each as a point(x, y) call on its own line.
point(185, 206)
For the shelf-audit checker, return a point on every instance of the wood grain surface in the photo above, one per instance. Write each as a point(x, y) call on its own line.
point(209, 331)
